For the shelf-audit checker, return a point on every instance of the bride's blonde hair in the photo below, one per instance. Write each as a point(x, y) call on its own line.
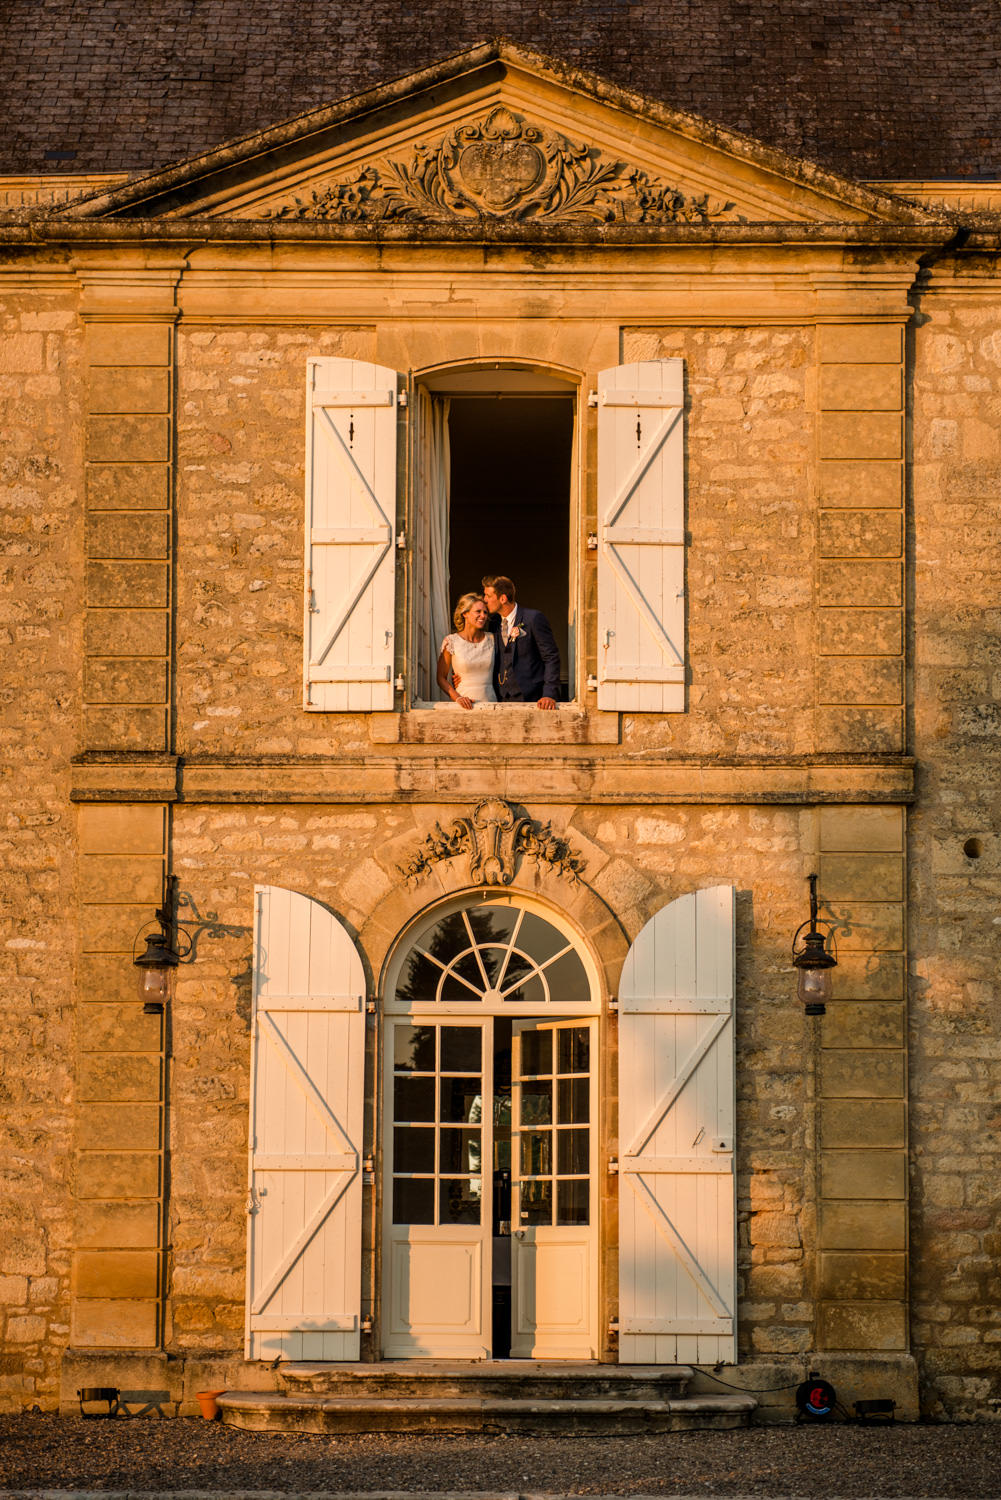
point(462, 607)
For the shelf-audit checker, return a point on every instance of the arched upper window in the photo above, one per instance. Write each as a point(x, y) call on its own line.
point(496, 954)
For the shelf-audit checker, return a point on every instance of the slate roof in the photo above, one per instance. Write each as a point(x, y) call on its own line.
point(905, 89)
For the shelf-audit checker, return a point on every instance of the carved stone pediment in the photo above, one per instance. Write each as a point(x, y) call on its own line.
point(504, 167)
point(495, 837)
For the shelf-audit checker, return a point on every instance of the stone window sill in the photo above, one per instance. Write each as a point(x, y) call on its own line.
point(495, 724)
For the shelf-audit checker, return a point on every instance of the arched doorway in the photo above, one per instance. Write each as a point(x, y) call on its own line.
point(489, 1143)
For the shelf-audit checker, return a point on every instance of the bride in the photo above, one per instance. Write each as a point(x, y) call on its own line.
point(468, 654)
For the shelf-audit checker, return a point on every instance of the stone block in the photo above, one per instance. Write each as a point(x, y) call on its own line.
point(855, 484)
point(126, 632)
point(118, 1174)
point(863, 1174)
point(21, 354)
point(860, 533)
point(130, 879)
point(868, 926)
point(860, 343)
point(858, 632)
point(879, 1122)
point(140, 487)
point(116, 1273)
point(844, 434)
point(124, 679)
point(862, 877)
point(861, 1073)
point(138, 829)
point(119, 1027)
point(860, 583)
point(104, 1223)
point(859, 731)
point(857, 1276)
point(870, 976)
point(127, 585)
point(859, 1225)
point(861, 387)
point(113, 1323)
point(128, 439)
point(864, 1023)
point(113, 928)
point(127, 534)
point(116, 1127)
point(108, 977)
point(125, 1076)
point(862, 1325)
point(117, 729)
point(857, 830)
point(30, 1328)
point(129, 343)
point(862, 680)
point(135, 389)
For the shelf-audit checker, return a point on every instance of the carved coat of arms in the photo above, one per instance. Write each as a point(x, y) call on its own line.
point(504, 167)
point(495, 838)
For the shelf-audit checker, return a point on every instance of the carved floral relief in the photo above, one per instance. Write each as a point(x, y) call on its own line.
point(495, 838)
point(504, 167)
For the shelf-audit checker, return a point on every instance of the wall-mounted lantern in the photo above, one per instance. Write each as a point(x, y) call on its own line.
point(814, 955)
point(173, 943)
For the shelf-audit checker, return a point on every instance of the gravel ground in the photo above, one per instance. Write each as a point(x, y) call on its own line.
point(46, 1452)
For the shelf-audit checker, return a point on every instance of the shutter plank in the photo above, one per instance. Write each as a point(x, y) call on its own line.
point(307, 1114)
point(677, 1243)
point(641, 508)
point(349, 643)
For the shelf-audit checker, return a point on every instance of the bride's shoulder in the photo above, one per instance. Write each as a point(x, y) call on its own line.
point(448, 644)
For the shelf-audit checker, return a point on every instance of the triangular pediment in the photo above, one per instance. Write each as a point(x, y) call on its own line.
point(499, 136)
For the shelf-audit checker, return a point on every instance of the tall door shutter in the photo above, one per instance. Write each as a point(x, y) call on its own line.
point(677, 1244)
point(307, 1110)
point(641, 537)
point(351, 424)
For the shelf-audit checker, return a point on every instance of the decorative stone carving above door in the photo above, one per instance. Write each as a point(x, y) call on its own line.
point(495, 837)
point(503, 166)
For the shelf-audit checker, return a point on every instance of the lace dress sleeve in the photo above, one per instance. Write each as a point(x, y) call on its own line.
point(448, 644)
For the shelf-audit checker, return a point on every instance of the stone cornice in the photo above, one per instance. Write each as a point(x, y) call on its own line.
point(582, 775)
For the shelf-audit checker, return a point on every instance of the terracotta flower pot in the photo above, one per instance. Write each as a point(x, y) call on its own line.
point(208, 1403)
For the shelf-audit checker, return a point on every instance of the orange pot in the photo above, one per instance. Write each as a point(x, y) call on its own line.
point(208, 1403)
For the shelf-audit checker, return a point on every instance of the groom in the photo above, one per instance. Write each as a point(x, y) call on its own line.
point(527, 658)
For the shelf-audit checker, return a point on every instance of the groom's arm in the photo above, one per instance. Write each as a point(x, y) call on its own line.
point(549, 651)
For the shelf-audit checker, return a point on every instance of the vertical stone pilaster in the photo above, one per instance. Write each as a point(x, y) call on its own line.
point(862, 1087)
point(859, 582)
point(117, 1272)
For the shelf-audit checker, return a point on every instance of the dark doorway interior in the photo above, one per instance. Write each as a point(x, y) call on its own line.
point(511, 501)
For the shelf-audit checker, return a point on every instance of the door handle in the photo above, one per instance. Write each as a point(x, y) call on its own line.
point(519, 1234)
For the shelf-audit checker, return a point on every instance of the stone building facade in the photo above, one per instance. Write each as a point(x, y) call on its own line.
point(833, 707)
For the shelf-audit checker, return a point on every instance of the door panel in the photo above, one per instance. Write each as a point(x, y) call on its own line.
point(437, 1207)
point(554, 1202)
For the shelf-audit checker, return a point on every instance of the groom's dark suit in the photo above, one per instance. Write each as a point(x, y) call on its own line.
point(528, 667)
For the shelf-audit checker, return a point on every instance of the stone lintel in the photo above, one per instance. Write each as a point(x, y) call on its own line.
point(430, 779)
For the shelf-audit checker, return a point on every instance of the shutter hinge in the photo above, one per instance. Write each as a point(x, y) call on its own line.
point(592, 541)
point(592, 398)
point(401, 399)
point(366, 1325)
point(401, 541)
point(613, 1002)
point(253, 1201)
point(401, 683)
point(370, 1007)
point(368, 1171)
point(613, 1166)
point(592, 683)
point(613, 1326)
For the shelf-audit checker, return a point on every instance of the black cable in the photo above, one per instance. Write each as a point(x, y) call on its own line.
point(750, 1390)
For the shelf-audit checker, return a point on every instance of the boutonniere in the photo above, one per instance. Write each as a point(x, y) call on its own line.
point(514, 633)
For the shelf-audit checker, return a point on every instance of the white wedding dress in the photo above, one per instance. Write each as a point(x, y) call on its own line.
point(473, 664)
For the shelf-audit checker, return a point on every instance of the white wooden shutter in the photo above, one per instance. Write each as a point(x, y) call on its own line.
point(677, 1242)
point(306, 1118)
point(351, 422)
point(641, 537)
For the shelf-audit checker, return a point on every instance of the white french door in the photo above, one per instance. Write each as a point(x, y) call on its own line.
point(436, 1255)
point(554, 1191)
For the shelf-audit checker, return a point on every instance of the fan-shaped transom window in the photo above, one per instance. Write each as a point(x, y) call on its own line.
point(497, 955)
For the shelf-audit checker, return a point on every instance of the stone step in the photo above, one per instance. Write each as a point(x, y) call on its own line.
point(515, 1379)
point(263, 1411)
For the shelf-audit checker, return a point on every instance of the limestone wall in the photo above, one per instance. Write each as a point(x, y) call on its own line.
point(41, 577)
point(955, 920)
